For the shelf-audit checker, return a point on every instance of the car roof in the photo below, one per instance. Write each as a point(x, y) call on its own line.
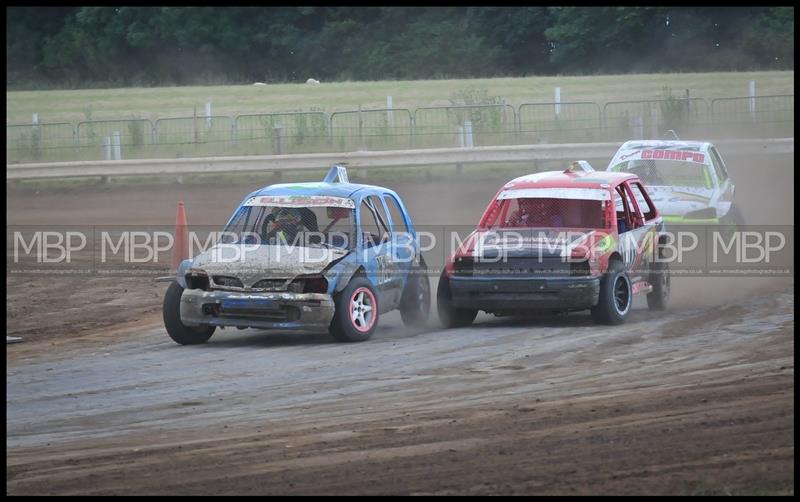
point(698, 146)
point(318, 188)
point(634, 149)
point(570, 179)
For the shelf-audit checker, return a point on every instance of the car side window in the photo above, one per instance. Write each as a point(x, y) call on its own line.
point(627, 217)
point(645, 205)
point(623, 213)
point(719, 165)
point(636, 210)
point(398, 222)
point(380, 212)
point(373, 224)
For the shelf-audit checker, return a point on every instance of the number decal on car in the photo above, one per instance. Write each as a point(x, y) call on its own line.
point(384, 268)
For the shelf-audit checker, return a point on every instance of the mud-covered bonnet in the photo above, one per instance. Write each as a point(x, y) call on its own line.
point(251, 263)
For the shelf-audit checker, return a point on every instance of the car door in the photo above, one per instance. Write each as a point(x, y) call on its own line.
point(633, 241)
point(376, 252)
point(404, 246)
point(723, 194)
point(650, 229)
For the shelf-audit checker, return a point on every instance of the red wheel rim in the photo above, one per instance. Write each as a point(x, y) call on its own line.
point(363, 309)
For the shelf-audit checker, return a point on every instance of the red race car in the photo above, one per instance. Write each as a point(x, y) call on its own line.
point(560, 241)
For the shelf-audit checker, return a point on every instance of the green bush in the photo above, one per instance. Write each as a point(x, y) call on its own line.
point(485, 111)
point(674, 112)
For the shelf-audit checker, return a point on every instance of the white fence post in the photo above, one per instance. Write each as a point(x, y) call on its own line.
point(460, 133)
point(208, 114)
point(468, 134)
point(36, 131)
point(389, 114)
point(360, 129)
point(558, 101)
point(106, 147)
point(752, 93)
point(117, 144)
point(35, 126)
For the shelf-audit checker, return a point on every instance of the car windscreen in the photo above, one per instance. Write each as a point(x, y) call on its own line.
point(541, 212)
point(315, 226)
point(667, 172)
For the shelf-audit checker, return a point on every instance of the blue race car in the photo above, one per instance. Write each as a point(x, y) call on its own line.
point(332, 255)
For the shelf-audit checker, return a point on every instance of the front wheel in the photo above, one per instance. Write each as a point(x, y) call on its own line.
point(616, 295)
point(449, 315)
point(733, 217)
point(731, 223)
point(179, 332)
point(356, 315)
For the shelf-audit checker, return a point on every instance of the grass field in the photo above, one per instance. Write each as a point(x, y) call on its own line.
point(153, 103)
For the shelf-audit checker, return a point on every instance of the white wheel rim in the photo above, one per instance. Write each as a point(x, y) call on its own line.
point(362, 307)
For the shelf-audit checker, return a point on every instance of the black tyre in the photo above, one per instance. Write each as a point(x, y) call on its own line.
point(731, 223)
point(616, 295)
point(180, 333)
point(659, 278)
point(356, 314)
point(450, 316)
point(415, 303)
point(733, 217)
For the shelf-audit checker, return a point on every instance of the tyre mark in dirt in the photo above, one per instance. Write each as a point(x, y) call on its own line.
point(593, 442)
point(244, 412)
point(570, 354)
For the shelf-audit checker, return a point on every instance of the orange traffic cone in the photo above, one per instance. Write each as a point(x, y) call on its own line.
point(180, 250)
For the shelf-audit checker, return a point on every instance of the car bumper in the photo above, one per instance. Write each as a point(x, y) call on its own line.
point(257, 310)
point(498, 294)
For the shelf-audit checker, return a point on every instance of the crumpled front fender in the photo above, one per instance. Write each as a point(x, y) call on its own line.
point(340, 273)
point(181, 273)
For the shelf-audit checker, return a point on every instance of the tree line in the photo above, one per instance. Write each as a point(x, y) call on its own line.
point(72, 47)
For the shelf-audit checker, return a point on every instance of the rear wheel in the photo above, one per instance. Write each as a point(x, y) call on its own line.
point(356, 315)
point(415, 303)
point(449, 315)
point(179, 332)
point(616, 295)
point(659, 279)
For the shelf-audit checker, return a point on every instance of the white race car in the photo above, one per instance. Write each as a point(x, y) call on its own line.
point(687, 180)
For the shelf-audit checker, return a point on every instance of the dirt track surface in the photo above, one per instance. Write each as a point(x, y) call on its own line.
point(697, 401)
point(99, 400)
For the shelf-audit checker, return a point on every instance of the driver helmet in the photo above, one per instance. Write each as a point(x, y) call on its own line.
point(532, 211)
point(534, 207)
point(288, 216)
